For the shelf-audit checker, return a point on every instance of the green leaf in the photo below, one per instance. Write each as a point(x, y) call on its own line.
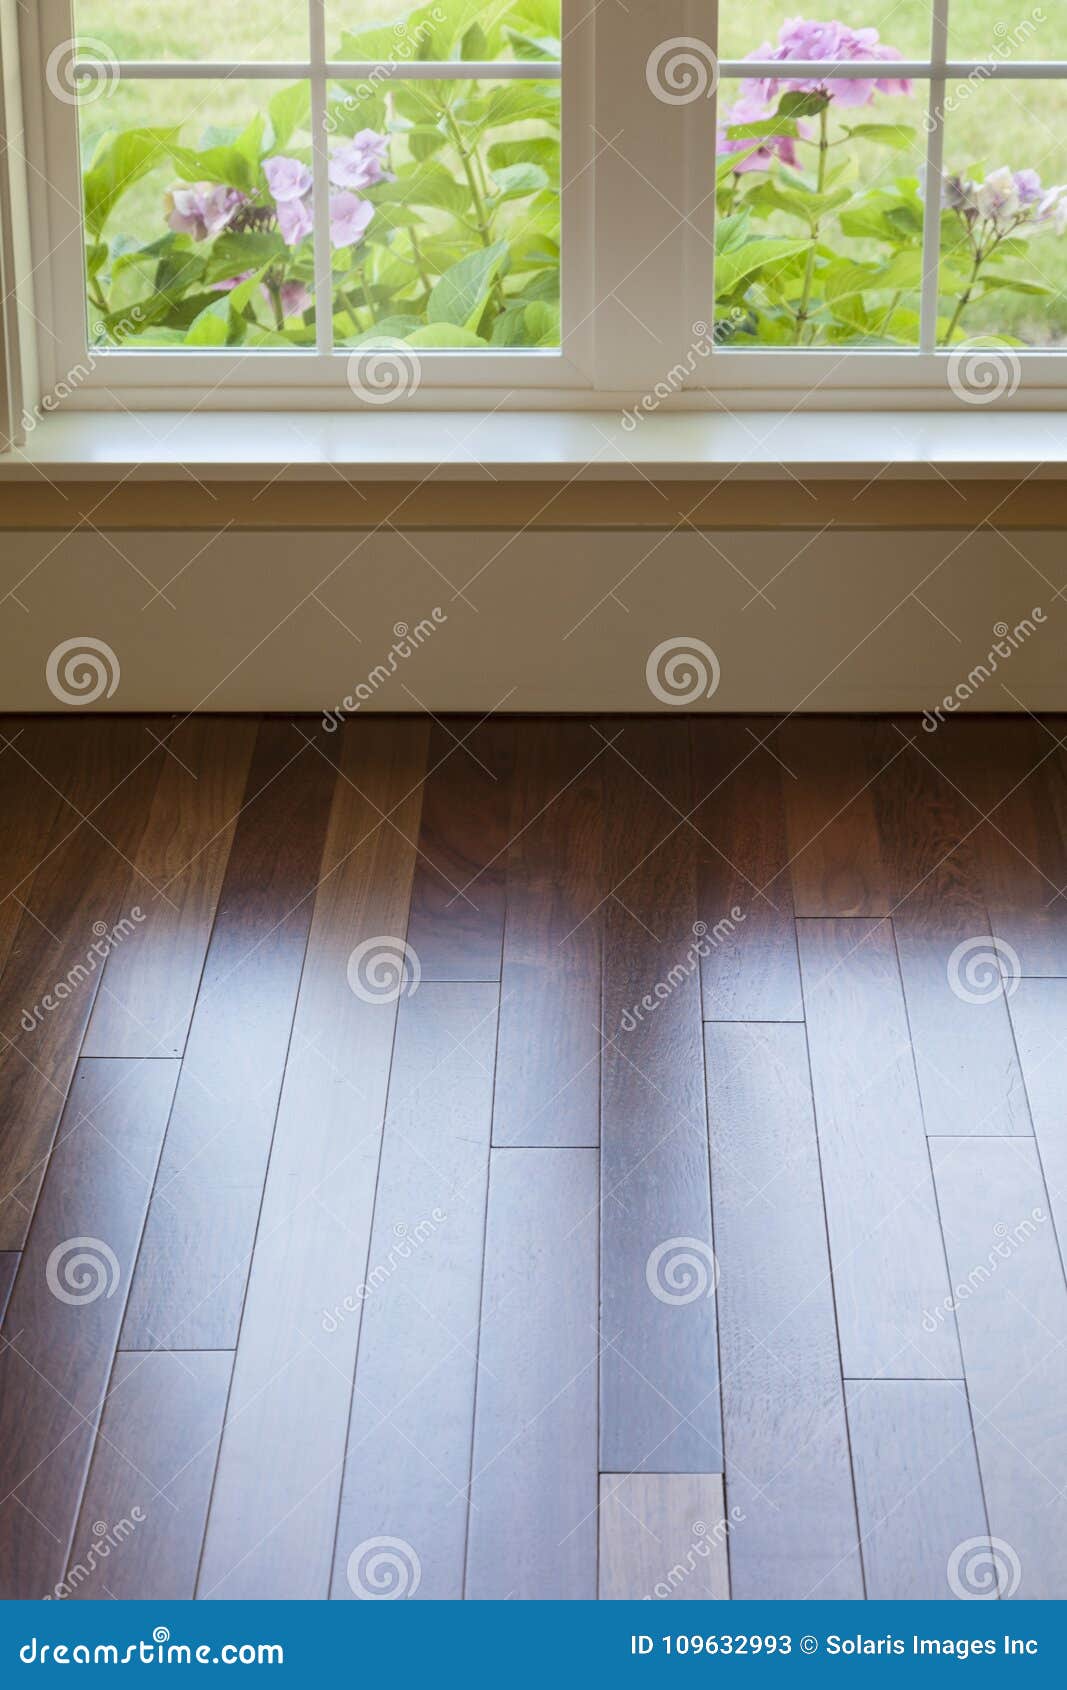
point(460, 295)
point(542, 150)
point(731, 232)
point(797, 104)
point(897, 135)
point(444, 335)
point(515, 181)
point(232, 255)
point(732, 268)
point(122, 158)
point(212, 326)
point(290, 110)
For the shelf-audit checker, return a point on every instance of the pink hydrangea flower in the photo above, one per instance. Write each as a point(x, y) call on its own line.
point(1007, 200)
point(349, 217)
point(808, 39)
point(287, 178)
point(750, 109)
point(294, 220)
point(295, 299)
point(359, 163)
point(231, 282)
point(201, 209)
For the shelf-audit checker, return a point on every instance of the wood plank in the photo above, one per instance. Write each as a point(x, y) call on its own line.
point(146, 997)
point(534, 1482)
point(835, 853)
point(548, 1065)
point(106, 774)
point(885, 1238)
point(409, 1445)
point(9, 1263)
point(63, 1320)
point(29, 804)
point(786, 1440)
point(659, 1373)
point(1013, 779)
point(917, 1486)
point(663, 1536)
point(1039, 1016)
point(968, 1070)
point(146, 1498)
point(1013, 1328)
point(272, 1520)
point(189, 1284)
point(750, 971)
point(458, 895)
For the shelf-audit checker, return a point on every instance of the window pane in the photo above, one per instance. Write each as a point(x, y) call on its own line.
point(458, 186)
point(1007, 30)
point(1004, 227)
point(197, 212)
point(819, 226)
point(443, 29)
point(193, 29)
point(748, 27)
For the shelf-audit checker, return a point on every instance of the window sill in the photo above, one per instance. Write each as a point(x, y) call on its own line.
point(384, 445)
point(550, 468)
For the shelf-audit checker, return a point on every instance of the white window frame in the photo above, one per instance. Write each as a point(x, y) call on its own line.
point(637, 242)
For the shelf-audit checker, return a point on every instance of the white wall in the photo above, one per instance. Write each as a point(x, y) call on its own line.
point(536, 621)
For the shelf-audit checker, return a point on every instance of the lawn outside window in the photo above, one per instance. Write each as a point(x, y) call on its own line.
point(572, 204)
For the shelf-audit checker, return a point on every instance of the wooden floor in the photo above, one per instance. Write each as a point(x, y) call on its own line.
point(533, 1159)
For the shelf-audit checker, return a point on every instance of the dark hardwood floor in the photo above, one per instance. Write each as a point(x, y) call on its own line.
point(533, 1158)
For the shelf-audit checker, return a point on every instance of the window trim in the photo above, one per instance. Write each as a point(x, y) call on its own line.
point(621, 265)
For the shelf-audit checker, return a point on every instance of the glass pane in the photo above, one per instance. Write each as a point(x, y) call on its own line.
point(197, 212)
point(1007, 30)
point(819, 227)
point(375, 30)
point(191, 29)
point(1004, 226)
point(457, 187)
point(845, 29)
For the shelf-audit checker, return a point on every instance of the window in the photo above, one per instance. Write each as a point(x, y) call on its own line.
point(567, 202)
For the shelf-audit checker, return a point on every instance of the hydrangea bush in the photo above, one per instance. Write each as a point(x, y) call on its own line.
point(810, 254)
point(443, 208)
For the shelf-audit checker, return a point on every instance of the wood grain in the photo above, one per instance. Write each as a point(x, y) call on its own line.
point(750, 971)
point(150, 981)
point(191, 1273)
point(272, 1524)
point(659, 1372)
point(885, 1237)
point(548, 1066)
point(835, 852)
point(1013, 1327)
point(9, 1263)
point(458, 896)
point(663, 1536)
point(63, 1319)
point(29, 803)
point(1039, 1016)
point(533, 1518)
point(786, 1440)
point(106, 776)
point(917, 1485)
point(965, 1057)
point(409, 1444)
point(150, 1479)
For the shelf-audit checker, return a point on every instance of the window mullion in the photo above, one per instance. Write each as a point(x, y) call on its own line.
point(935, 156)
point(320, 169)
